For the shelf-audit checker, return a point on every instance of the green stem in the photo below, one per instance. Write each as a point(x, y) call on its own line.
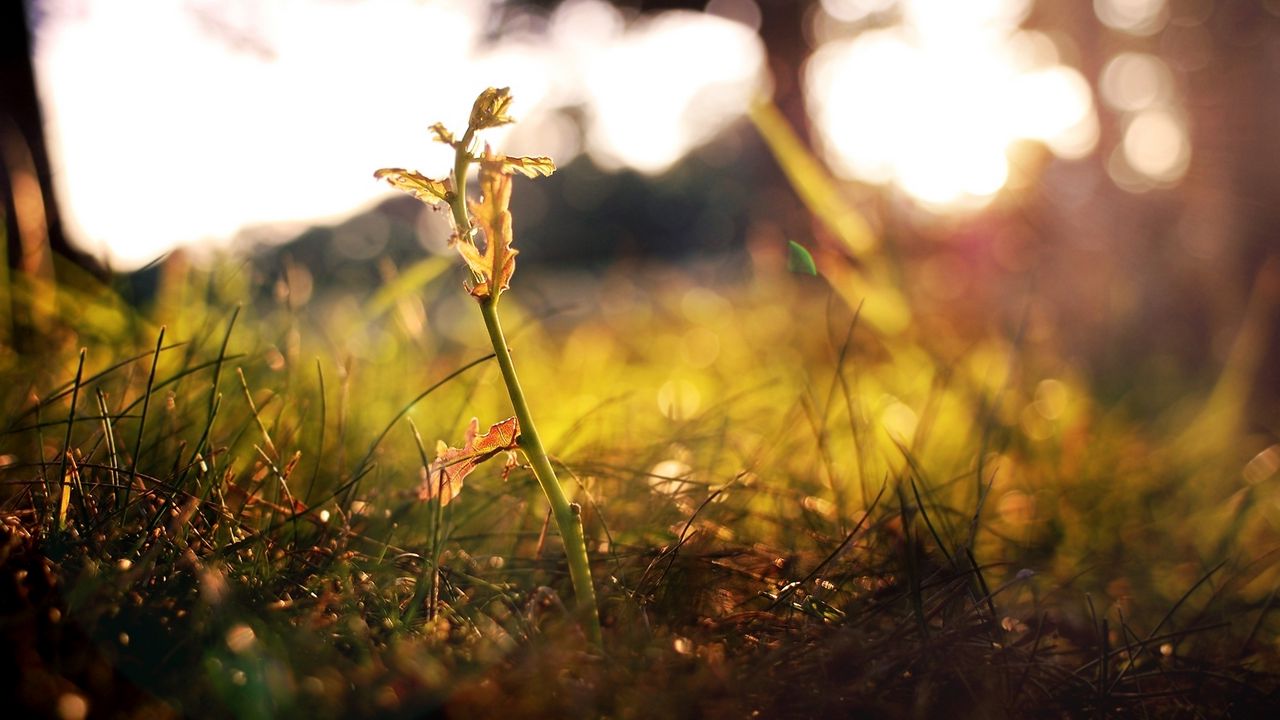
point(462, 161)
point(568, 516)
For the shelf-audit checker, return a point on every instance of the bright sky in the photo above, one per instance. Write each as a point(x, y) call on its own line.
point(936, 96)
point(934, 103)
point(182, 123)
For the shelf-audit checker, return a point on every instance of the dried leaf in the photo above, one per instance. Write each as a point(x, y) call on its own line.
point(416, 184)
point(453, 465)
point(530, 167)
point(442, 134)
point(490, 109)
point(497, 262)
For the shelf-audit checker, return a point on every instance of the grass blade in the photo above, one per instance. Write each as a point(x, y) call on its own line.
point(123, 502)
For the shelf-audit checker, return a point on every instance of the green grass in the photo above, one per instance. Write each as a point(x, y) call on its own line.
point(788, 513)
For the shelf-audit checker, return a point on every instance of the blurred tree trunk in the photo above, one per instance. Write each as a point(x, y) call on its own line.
point(1180, 276)
point(782, 29)
point(33, 227)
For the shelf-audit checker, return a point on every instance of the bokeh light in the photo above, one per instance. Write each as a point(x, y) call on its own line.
point(662, 86)
point(185, 123)
point(855, 10)
point(1156, 145)
point(1135, 81)
point(935, 103)
point(1136, 17)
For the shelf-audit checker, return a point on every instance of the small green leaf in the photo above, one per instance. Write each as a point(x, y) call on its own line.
point(799, 260)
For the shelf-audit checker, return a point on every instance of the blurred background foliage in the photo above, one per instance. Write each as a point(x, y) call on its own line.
point(1098, 173)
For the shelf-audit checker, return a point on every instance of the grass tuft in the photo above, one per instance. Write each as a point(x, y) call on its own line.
point(759, 548)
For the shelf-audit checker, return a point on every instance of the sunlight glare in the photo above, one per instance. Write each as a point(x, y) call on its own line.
point(648, 105)
point(165, 129)
point(185, 123)
point(855, 10)
point(1056, 108)
point(940, 21)
point(933, 105)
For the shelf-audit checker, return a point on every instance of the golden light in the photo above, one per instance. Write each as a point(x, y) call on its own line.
point(664, 85)
point(679, 399)
point(934, 104)
point(170, 126)
point(898, 421)
point(184, 123)
point(1056, 108)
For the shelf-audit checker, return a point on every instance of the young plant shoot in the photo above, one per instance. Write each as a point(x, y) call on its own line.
point(482, 236)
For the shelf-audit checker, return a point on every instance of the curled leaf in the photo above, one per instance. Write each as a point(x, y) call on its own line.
point(416, 184)
point(490, 109)
point(452, 465)
point(497, 262)
point(530, 167)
